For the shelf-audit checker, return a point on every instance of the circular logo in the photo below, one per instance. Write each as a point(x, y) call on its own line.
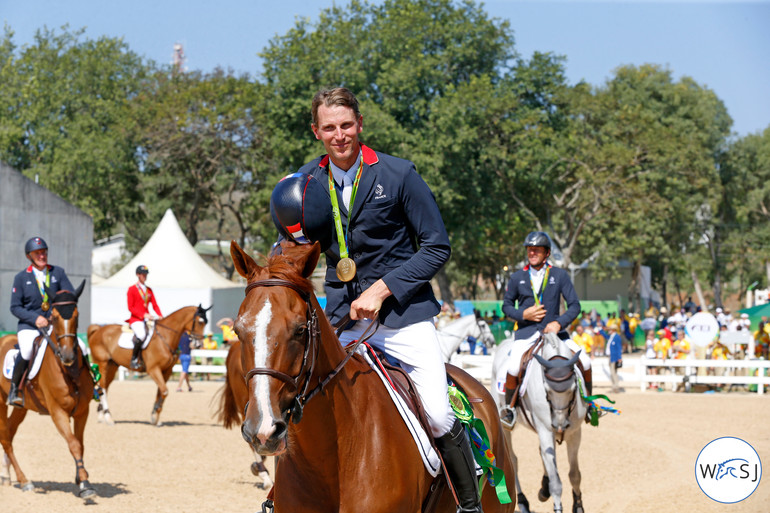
point(702, 328)
point(728, 470)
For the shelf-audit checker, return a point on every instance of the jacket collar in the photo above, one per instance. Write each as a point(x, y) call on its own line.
point(29, 269)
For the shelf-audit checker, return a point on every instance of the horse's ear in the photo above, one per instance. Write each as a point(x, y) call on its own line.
point(305, 257)
point(79, 290)
point(244, 264)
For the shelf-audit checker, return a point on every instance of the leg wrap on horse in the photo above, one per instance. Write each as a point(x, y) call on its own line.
point(461, 467)
point(136, 356)
point(19, 368)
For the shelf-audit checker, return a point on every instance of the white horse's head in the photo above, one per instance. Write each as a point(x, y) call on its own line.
point(559, 380)
point(455, 332)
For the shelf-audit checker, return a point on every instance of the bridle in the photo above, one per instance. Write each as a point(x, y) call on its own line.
point(309, 356)
point(548, 379)
point(55, 346)
point(193, 336)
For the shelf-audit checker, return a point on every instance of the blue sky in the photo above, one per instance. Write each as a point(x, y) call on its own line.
point(722, 45)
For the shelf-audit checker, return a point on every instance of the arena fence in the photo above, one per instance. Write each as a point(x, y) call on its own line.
point(753, 373)
point(209, 363)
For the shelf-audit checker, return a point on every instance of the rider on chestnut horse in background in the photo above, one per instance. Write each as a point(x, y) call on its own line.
point(31, 304)
point(389, 242)
point(140, 296)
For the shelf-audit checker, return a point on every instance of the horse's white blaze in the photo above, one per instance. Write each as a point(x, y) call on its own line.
point(261, 386)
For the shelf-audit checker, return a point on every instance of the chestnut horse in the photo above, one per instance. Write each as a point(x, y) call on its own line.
point(62, 388)
point(233, 397)
point(159, 356)
point(341, 442)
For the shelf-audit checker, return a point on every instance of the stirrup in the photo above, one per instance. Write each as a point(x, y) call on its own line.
point(137, 365)
point(508, 417)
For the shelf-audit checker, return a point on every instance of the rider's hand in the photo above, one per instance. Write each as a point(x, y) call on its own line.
point(41, 322)
point(552, 327)
point(534, 313)
point(368, 304)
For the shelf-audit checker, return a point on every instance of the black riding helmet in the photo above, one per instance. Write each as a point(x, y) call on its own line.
point(302, 211)
point(34, 244)
point(538, 239)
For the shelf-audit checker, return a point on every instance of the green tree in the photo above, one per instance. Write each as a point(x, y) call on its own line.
point(65, 120)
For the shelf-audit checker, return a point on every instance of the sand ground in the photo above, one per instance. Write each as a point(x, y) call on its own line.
point(641, 461)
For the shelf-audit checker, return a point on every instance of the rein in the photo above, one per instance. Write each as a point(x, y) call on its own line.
point(312, 343)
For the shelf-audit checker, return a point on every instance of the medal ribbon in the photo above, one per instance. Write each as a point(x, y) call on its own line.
point(342, 237)
point(144, 295)
point(539, 297)
point(40, 285)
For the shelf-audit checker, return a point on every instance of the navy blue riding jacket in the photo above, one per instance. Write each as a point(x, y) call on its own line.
point(396, 233)
point(520, 289)
point(26, 301)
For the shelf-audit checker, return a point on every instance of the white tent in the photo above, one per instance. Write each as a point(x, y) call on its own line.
point(178, 276)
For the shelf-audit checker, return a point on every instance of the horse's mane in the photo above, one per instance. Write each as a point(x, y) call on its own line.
point(282, 267)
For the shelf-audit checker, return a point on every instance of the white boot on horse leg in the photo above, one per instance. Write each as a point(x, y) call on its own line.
point(5, 477)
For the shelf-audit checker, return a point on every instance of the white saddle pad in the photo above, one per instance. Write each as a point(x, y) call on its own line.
point(10, 362)
point(126, 340)
point(428, 454)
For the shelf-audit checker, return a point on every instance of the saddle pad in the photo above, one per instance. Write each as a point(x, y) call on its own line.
point(10, 361)
point(126, 340)
point(427, 452)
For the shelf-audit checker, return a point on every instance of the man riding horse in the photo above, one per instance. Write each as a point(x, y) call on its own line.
point(389, 242)
point(533, 299)
point(31, 303)
point(139, 297)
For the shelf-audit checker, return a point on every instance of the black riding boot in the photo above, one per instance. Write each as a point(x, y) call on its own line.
point(461, 467)
point(136, 357)
point(14, 399)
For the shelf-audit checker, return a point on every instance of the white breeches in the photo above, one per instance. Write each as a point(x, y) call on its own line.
point(139, 328)
point(417, 349)
point(521, 346)
point(26, 340)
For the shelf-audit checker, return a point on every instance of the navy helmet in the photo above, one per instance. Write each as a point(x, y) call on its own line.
point(302, 211)
point(142, 269)
point(34, 244)
point(538, 239)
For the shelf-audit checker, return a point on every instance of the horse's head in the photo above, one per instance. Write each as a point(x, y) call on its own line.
point(560, 381)
point(64, 320)
point(485, 333)
point(199, 322)
point(279, 334)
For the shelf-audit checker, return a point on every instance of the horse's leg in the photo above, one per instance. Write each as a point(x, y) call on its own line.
point(551, 484)
point(521, 499)
point(108, 370)
point(81, 474)
point(61, 420)
point(573, 446)
point(159, 377)
point(8, 426)
point(259, 469)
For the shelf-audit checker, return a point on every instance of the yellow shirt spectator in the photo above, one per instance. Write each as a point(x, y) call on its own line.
point(583, 339)
point(662, 347)
point(209, 342)
point(228, 334)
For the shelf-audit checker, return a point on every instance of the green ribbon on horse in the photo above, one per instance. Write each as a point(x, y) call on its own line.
point(482, 452)
point(593, 408)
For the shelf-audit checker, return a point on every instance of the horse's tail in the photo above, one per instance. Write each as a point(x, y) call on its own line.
point(228, 415)
point(228, 410)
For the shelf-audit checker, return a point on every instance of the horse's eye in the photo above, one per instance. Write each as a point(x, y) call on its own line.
point(300, 331)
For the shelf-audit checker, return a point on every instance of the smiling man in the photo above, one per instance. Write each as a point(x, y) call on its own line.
point(388, 242)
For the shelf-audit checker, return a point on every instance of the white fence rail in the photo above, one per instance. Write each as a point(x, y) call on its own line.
point(736, 372)
point(205, 367)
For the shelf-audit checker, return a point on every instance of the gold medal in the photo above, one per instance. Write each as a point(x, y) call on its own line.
point(346, 269)
point(45, 306)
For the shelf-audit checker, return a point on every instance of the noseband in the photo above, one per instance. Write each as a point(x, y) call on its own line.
point(308, 359)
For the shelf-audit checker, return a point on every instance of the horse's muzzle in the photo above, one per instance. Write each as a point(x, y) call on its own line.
point(265, 442)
